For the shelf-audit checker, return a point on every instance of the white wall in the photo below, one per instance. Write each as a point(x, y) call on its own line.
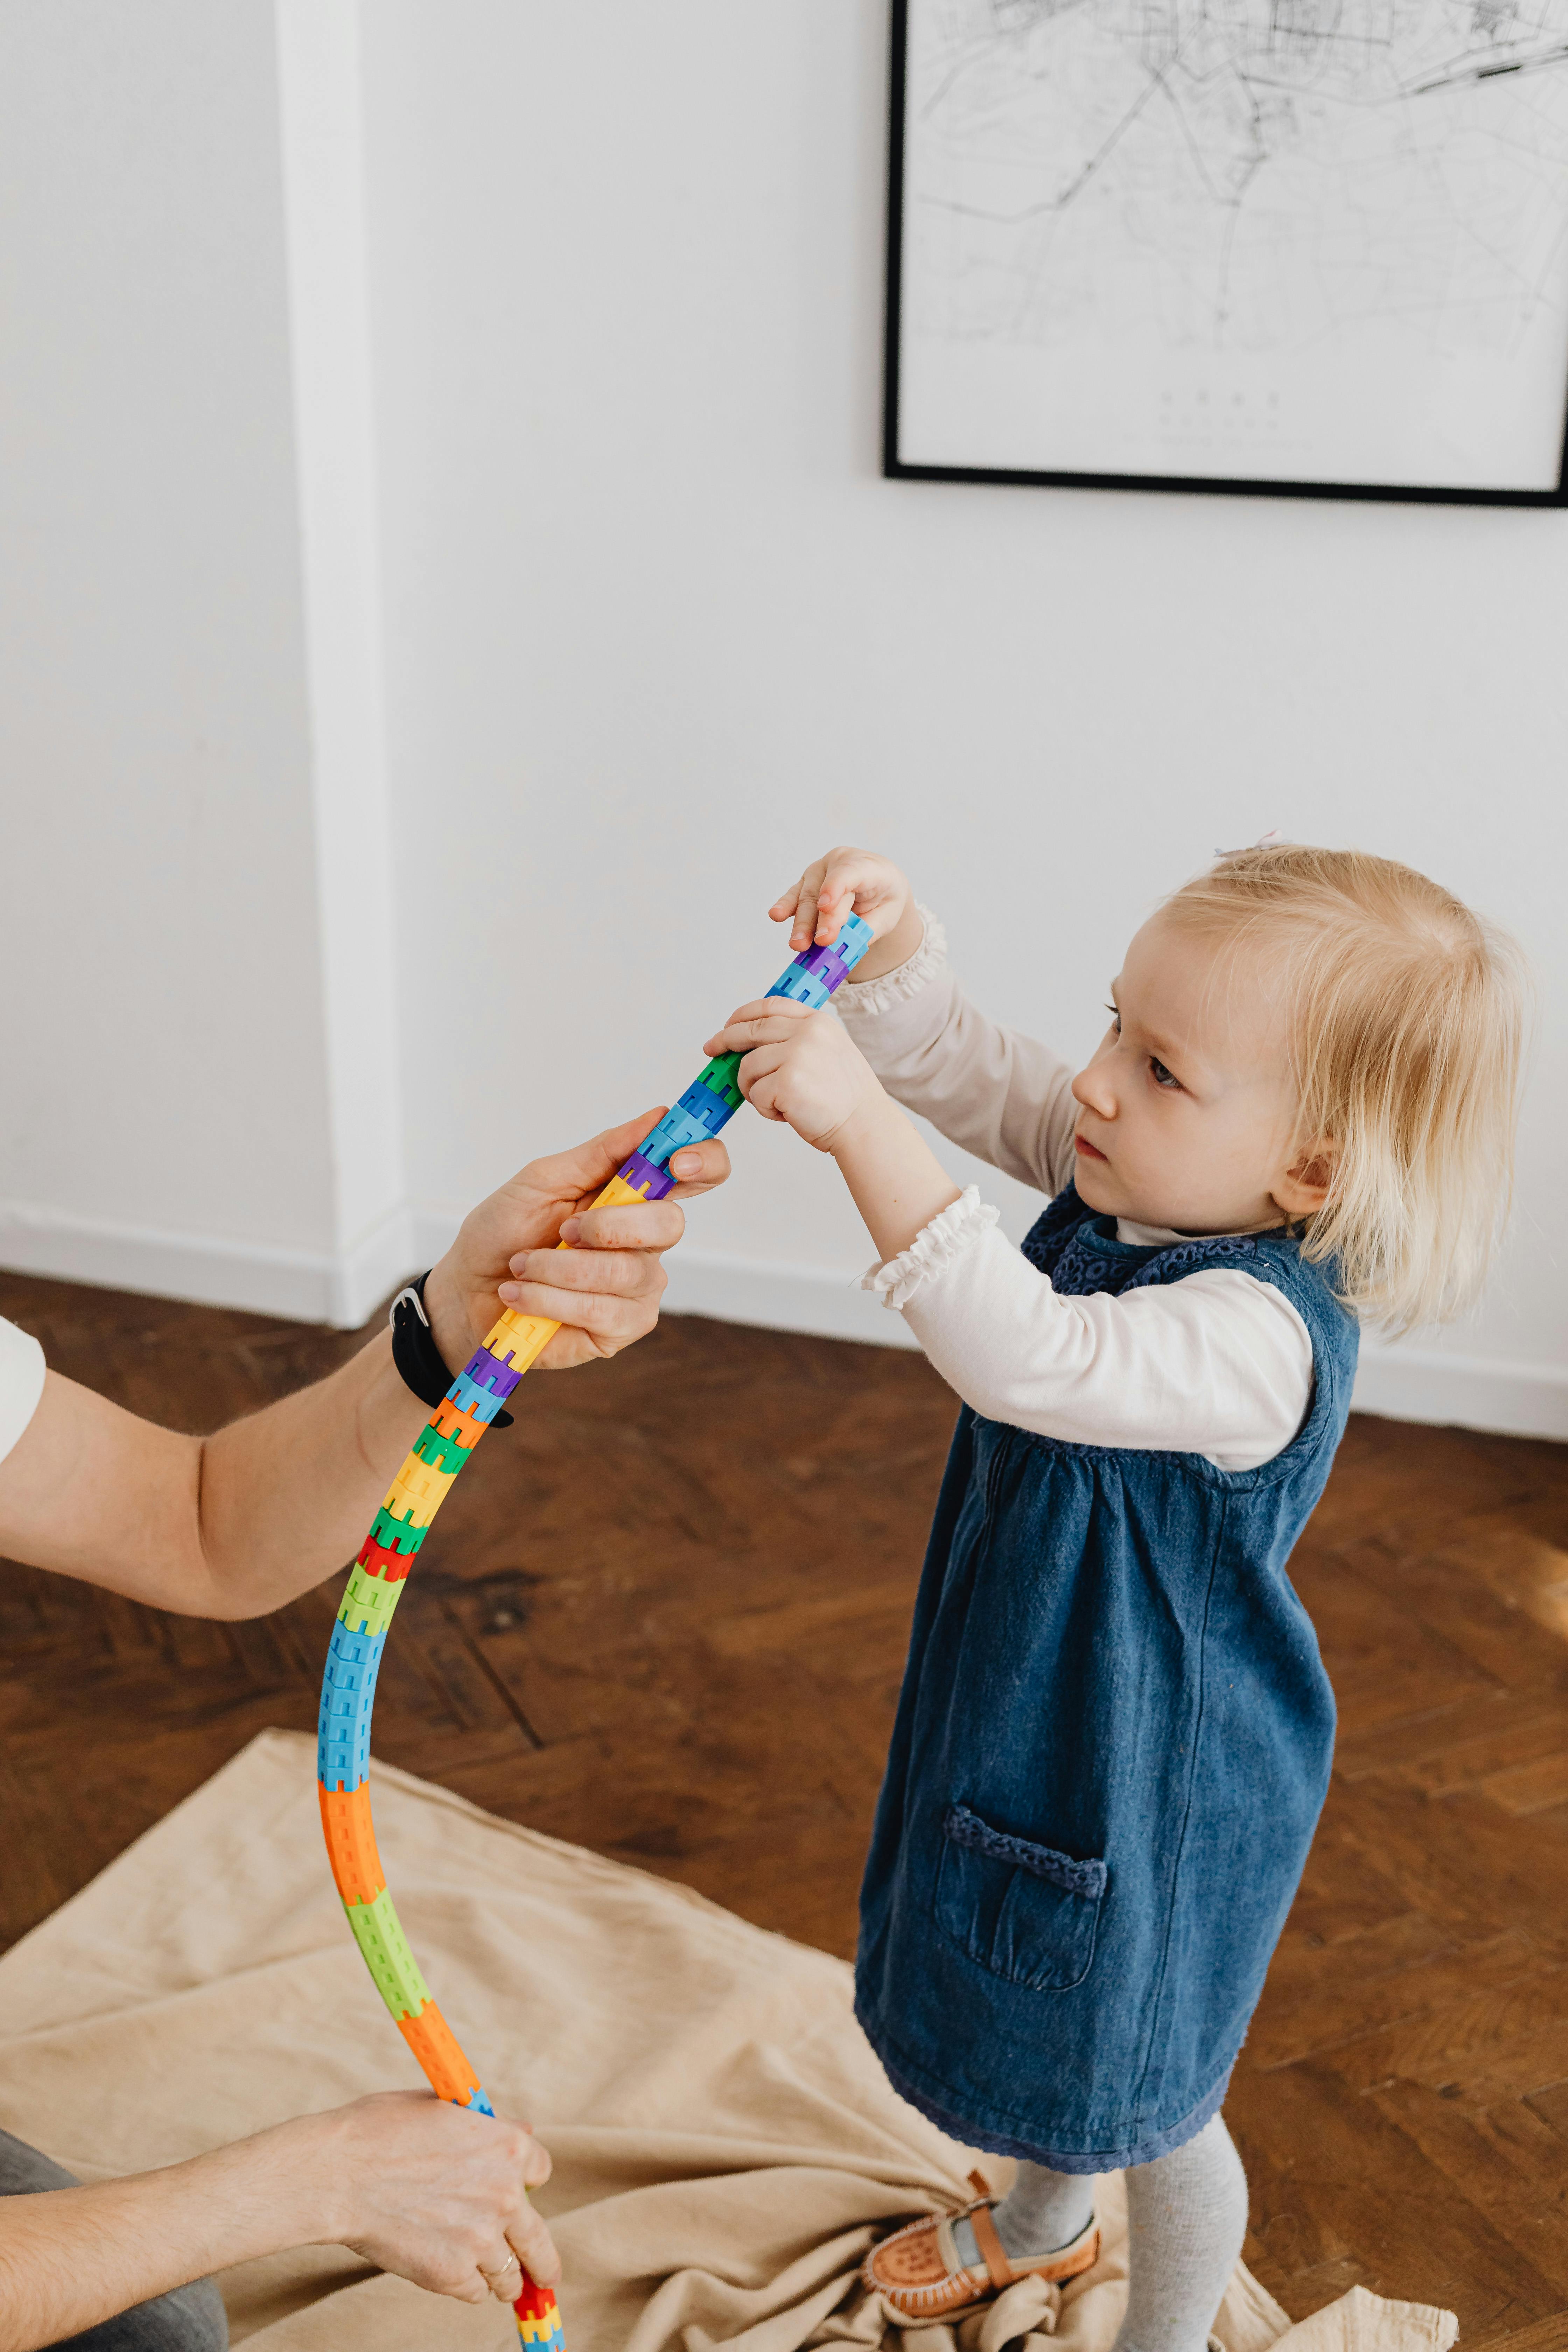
point(598, 501)
point(197, 973)
point(657, 632)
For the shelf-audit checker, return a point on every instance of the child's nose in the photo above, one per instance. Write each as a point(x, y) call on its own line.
point(1093, 1089)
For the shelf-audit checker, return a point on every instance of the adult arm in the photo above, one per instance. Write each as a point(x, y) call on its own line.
point(414, 2186)
point(237, 1524)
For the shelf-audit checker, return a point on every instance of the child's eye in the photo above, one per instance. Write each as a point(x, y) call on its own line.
point(1115, 1018)
point(1162, 1075)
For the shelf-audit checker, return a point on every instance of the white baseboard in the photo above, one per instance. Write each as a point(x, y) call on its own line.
point(1402, 1383)
point(306, 1285)
point(1435, 1384)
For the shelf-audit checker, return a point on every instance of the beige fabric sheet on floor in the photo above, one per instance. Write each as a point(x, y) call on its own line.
point(726, 2146)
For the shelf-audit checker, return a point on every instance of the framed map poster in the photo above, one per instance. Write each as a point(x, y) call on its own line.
point(1316, 248)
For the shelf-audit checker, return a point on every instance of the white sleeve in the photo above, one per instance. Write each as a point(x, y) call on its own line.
point(1001, 1095)
point(1219, 1364)
point(21, 1383)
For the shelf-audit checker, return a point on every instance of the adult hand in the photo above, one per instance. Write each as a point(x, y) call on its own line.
point(605, 1290)
point(430, 2192)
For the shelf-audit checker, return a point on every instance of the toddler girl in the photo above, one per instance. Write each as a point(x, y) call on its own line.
point(1115, 1731)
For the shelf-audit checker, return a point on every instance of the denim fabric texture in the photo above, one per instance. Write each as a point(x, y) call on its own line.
point(1111, 1750)
point(191, 2319)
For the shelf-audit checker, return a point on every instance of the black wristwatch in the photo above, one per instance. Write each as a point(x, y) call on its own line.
point(415, 1352)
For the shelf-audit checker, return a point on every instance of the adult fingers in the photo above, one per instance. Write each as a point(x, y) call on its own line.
point(610, 1321)
point(502, 2271)
point(589, 1273)
point(699, 1168)
point(534, 2246)
point(588, 1167)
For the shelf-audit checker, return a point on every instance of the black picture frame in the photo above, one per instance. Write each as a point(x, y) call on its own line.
point(896, 469)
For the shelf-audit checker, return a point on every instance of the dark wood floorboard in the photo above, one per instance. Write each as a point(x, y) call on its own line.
point(665, 1616)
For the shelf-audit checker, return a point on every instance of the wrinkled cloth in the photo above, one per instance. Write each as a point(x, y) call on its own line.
point(726, 2146)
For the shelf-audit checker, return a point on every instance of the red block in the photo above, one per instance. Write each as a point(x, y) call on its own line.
point(379, 1560)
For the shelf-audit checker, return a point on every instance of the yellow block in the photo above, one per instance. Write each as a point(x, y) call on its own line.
point(519, 1337)
point(617, 1194)
point(418, 1491)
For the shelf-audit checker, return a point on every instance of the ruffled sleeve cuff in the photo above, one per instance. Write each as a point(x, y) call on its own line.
point(936, 1247)
point(906, 980)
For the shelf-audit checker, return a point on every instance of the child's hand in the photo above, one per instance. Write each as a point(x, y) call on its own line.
point(800, 1068)
point(847, 881)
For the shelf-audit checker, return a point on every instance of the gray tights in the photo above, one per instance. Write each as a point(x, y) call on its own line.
point(192, 2319)
point(1186, 2215)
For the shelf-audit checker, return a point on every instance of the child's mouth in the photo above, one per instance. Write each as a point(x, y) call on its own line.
point(1090, 1150)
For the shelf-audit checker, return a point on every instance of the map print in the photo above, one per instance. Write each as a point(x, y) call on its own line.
point(1319, 240)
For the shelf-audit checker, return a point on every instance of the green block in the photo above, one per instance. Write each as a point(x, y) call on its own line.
point(394, 1533)
point(441, 1453)
point(368, 1602)
point(379, 1934)
point(719, 1077)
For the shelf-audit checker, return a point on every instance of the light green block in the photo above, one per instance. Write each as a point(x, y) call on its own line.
point(368, 1602)
point(379, 1934)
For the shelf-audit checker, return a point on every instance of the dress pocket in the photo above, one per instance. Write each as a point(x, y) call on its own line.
point(1024, 1911)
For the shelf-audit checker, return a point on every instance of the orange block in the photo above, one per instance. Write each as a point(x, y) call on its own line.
point(452, 1422)
point(351, 1843)
point(435, 2046)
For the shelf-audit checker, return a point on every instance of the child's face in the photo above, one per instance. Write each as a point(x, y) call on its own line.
point(1188, 1112)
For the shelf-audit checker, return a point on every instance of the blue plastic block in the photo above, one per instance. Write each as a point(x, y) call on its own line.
point(675, 1130)
point(854, 936)
point(803, 986)
point(479, 2105)
point(348, 1697)
point(469, 1397)
point(712, 1111)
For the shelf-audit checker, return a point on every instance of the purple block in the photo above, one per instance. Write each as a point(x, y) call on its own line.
point(824, 964)
point(487, 1373)
point(643, 1177)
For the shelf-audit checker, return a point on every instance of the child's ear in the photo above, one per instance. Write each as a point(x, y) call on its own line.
point(1304, 1187)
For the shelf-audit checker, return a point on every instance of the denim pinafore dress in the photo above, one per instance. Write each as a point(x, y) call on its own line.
point(1111, 1750)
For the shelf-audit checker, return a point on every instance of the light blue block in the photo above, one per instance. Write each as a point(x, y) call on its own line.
point(469, 1397)
point(675, 1130)
point(854, 936)
point(711, 1111)
point(803, 986)
point(348, 1699)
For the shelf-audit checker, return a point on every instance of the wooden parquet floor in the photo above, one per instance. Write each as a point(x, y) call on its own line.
point(665, 1616)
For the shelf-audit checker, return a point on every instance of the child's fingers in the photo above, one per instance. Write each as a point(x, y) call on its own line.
point(804, 930)
point(784, 905)
point(834, 901)
point(769, 1020)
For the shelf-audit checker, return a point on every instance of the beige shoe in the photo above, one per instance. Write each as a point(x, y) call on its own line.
point(918, 2272)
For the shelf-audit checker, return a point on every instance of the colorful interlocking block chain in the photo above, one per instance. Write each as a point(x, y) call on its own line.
point(401, 1525)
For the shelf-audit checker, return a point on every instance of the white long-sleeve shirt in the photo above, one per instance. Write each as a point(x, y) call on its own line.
point(1218, 1363)
point(21, 1383)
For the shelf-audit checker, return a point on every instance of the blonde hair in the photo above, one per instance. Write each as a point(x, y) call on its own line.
point(1406, 1015)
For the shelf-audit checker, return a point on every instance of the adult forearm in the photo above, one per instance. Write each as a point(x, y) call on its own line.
point(71, 2258)
point(286, 1496)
